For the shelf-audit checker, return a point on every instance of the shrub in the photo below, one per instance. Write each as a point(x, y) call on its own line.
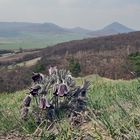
point(39, 67)
point(74, 67)
point(135, 62)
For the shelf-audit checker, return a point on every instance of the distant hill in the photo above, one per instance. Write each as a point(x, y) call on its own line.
point(14, 29)
point(40, 35)
point(111, 29)
point(36, 35)
point(118, 28)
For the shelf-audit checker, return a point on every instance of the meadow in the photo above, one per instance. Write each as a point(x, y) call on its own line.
point(113, 114)
point(38, 40)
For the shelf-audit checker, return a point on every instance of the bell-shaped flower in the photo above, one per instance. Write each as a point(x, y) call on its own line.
point(38, 77)
point(37, 89)
point(43, 103)
point(62, 89)
point(27, 100)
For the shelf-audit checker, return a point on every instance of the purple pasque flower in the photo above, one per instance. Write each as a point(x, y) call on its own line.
point(43, 103)
point(35, 90)
point(62, 89)
point(53, 70)
point(27, 100)
point(38, 77)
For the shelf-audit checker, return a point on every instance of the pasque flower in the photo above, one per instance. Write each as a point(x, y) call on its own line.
point(38, 77)
point(37, 89)
point(60, 83)
point(62, 89)
point(27, 100)
point(43, 103)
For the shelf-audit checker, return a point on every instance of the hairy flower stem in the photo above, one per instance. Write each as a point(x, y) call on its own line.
point(36, 101)
point(56, 102)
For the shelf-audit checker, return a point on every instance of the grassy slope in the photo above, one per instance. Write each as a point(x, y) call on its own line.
point(114, 107)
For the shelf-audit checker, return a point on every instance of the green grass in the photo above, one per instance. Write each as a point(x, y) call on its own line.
point(9, 111)
point(37, 40)
point(118, 104)
point(114, 112)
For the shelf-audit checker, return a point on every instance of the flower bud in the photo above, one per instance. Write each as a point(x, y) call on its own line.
point(35, 90)
point(38, 77)
point(43, 103)
point(27, 101)
point(62, 90)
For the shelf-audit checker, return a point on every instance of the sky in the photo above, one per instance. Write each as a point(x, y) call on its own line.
point(90, 14)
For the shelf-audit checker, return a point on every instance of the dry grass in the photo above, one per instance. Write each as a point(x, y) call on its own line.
point(29, 63)
point(114, 113)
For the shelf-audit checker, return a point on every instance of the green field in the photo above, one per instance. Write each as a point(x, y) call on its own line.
point(37, 40)
point(114, 108)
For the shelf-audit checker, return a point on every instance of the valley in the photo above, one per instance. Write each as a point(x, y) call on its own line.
point(15, 35)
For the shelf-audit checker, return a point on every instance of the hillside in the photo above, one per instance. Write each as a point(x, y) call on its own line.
point(113, 114)
point(106, 56)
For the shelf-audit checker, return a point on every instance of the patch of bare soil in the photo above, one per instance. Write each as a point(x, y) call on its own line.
point(14, 136)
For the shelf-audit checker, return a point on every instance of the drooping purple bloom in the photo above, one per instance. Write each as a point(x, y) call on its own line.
point(43, 103)
point(27, 101)
point(62, 90)
point(35, 90)
point(38, 77)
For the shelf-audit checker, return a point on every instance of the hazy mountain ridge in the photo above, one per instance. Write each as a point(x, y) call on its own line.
point(41, 35)
point(16, 28)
